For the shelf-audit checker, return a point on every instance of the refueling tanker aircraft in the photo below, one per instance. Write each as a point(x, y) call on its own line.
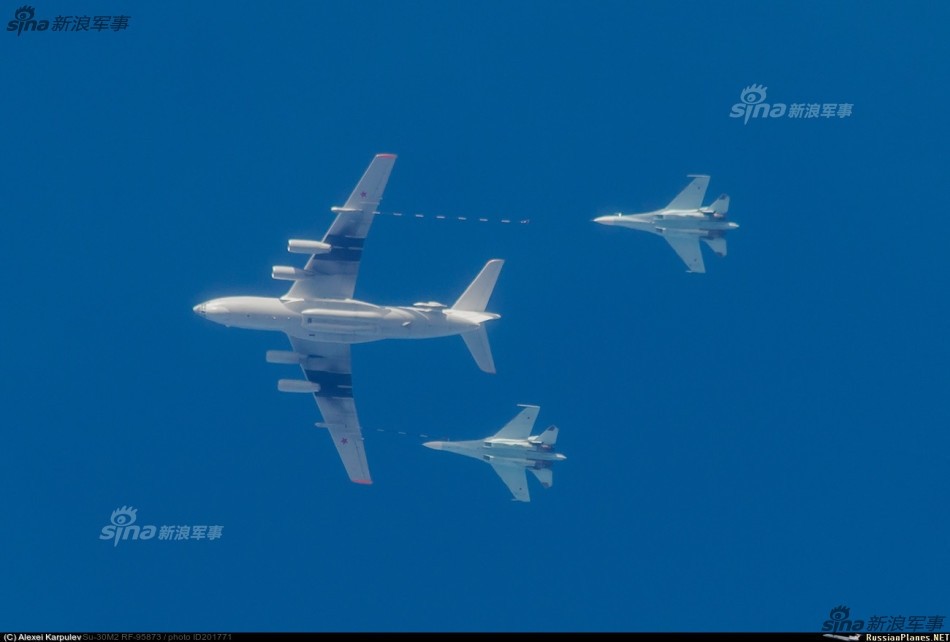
point(512, 450)
point(684, 222)
point(321, 318)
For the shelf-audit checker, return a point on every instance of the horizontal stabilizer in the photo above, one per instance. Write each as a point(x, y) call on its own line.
point(476, 295)
point(717, 244)
point(519, 427)
point(477, 343)
point(544, 475)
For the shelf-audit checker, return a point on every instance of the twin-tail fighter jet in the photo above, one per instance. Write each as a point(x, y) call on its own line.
point(322, 319)
point(684, 222)
point(511, 451)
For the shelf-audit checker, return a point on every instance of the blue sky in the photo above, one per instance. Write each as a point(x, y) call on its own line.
point(746, 448)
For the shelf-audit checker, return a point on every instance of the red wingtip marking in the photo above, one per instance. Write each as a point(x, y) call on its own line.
point(366, 482)
point(385, 156)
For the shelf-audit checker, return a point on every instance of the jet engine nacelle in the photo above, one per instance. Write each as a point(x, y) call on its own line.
point(285, 273)
point(297, 385)
point(289, 358)
point(282, 356)
point(300, 246)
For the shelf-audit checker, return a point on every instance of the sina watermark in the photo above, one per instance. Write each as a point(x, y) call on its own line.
point(752, 105)
point(122, 527)
point(24, 20)
point(840, 625)
point(839, 619)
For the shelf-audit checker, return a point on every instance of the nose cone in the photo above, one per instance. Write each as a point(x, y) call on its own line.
point(607, 220)
point(434, 445)
point(210, 310)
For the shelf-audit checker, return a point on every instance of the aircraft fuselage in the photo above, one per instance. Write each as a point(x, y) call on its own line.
point(515, 451)
point(662, 221)
point(339, 320)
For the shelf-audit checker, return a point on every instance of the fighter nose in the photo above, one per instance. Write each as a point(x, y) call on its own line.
point(434, 445)
point(605, 220)
point(210, 309)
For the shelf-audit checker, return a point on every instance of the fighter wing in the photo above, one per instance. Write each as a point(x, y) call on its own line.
point(687, 246)
point(691, 198)
point(329, 365)
point(514, 478)
point(519, 427)
point(333, 273)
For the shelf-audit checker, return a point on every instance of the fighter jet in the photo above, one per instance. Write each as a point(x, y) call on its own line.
point(322, 319)
point(683, 222)
point(511, 450)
